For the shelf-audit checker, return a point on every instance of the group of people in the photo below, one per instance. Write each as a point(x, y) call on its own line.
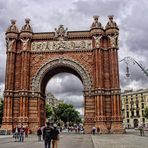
point(77, 129)
point(50, 133)
point(19, 133)
point(95, 130)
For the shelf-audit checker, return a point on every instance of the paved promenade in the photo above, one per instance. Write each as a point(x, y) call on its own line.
point(66, 141)
point(129, 140)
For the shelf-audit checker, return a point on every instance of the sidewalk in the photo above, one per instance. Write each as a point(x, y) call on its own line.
point(5, 136)
point(119, 141)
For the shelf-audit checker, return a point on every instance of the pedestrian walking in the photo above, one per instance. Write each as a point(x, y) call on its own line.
point(141, 128)
point(93, 130)
point(98, 130)
point(26, 131)
point(55, 136)
point(47, 135)
point(39, 133)
point(21, 134)
point(16, 133)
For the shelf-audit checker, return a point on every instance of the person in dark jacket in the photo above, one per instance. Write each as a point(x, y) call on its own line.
point(55, 136)
point(47, 135)
point(39, 133)
point(21, 133)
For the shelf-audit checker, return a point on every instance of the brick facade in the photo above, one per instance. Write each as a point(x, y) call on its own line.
point(33, 58)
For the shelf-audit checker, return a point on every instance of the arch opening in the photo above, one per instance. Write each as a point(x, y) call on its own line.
point(66, 88)
point(54, 71)
point(56, 66)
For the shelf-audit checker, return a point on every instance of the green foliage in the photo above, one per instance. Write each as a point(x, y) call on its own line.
point(1, 112)
point(49, 111)
point(67, 113)
point(146, 112)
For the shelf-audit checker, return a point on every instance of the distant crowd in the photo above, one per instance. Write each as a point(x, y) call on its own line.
point(19, 132)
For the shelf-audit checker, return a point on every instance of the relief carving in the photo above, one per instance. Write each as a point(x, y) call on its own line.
point(97, 41)
point(10, 43)
point(64, 45)
point(24, 43)
point(113, 40)
point(61, 33)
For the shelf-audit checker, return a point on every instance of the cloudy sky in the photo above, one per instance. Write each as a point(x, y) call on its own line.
point(45, 15)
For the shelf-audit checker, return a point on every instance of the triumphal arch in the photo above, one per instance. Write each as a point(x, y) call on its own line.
point(34, 58)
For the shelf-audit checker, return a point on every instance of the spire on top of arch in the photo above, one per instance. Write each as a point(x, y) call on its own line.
point(96, 23)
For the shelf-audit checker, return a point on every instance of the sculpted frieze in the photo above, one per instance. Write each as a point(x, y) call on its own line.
point(61, 45)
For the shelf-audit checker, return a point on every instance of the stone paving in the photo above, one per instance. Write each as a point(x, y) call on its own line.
point(71, 140)
point(66, 141)
point(120, 141)
point(131, 139)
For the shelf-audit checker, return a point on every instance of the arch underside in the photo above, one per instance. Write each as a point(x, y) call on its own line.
point(55, 66)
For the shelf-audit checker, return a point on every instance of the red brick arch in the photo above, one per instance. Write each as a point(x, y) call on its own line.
point(58, 65)
point(33, 58)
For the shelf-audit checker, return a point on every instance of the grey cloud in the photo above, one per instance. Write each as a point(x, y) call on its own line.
point(136, 25)
point(101, 7)
point(64, 83)
point(76, 100)
point(68, 88)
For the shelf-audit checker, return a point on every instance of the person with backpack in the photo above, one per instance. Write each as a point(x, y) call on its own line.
point(47, 134)
point(55, 136)
point(39, 133)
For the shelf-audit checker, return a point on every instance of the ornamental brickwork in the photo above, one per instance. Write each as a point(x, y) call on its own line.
point(34, 58)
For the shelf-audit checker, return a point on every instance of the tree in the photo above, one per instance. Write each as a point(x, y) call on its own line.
point(1, 112)
point(146, 112)
point(49, 111)
point(67, 114)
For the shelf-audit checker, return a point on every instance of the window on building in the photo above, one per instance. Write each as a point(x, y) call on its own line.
point(127, 120)
point(127, 113)
point(137, 112)
point(137, 105)
point(142, 100)
point(126, 100)
point(142, 105)
point(142, 112)
point(132, 113)
point(127, 107)
point(143, 119)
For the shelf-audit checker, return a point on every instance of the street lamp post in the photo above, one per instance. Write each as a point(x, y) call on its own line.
point(127, 60)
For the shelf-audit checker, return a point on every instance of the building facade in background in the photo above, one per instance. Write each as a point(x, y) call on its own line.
point(133, 105)
point(52, 100)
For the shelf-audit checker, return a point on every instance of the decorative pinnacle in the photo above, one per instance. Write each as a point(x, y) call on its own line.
point(13, 21)
point(111, 17)
point(96, 17)
point(27, 20)
point(61, 25)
